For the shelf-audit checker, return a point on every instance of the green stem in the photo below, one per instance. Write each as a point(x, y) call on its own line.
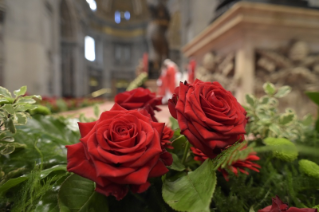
point(185, 152)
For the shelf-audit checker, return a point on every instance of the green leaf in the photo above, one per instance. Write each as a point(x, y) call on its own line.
point(11, 126)
point(21, 118)
point(96, 111)
point(283, 91)
point(11, 183)
point(307, 120)
point(8, 108)
point(273, 102)
point(21, 91)
point(269, 88)
point(286, 119)
point(77, 195)
point(40, 110)
point(19, 146)
point(46, 172)
point(251, 209)
point(36, 97)
point(8, 149)
point(177, 164)
point(229, 155)
point(7, 139)
point(48, 203)
point(82, 118)
point(3, 114)
point(26, 100)
point(263, 116)
point(179, 144)
point(314, 96)
point(250, 99)
point(6, 100)
point(275, 129)
point(16, 181)
point(174, 123)
point(23, 107)
point(192, 192)
point(264, 100)
point(4, 92)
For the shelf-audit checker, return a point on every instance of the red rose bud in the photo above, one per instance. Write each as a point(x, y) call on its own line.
point(167, 135)
point(208, 115)
point(279, 206)
point(198, 155)
point(139, 98)
point(120, 151)
point(235, 166)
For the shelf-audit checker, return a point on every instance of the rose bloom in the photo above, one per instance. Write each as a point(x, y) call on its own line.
point(279, 206)
point(139, 98)
point(120, 151)
point(235, 166)
point(208, 115)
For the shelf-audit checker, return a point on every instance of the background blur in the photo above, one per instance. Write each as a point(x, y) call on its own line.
point(71, 48)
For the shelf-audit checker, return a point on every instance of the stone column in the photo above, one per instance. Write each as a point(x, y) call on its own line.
point(244, 71)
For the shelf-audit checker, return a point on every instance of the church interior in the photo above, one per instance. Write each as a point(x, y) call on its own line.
point(159, 105)
point(76, 48)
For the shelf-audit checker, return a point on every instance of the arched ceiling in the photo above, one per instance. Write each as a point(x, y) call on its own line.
point(137, 8)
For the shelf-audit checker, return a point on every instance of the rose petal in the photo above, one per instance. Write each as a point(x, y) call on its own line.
point(140, 188)
point(78, 164)
point(117, 107)
point(158, 170)
point(139, 176)
point(117, 159)
point(111, 171)
point(119, 191)
point(153, 150)
point(85, 128)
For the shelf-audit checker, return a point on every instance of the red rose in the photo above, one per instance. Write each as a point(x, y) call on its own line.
point(279, 206)
point(119, 151)
point(208, 115)
point(139, 98)
point(167, 135)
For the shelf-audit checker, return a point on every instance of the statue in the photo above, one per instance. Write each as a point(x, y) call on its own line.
point(294, 65)
point(156, 37)
point(218, 68)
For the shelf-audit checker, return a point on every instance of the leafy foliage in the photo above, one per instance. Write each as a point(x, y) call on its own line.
point(77, 194)
point(265, 119)
point(192, 192)
point(34, 173)
point(314, 96)
point(279, 139)
point(34, 176)
point(13, 111)
point(232, 154)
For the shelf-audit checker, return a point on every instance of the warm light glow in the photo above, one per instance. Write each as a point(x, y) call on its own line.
point(89, 48)
point(92, 4)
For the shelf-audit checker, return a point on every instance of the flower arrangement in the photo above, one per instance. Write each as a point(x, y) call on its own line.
point(215, 155)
